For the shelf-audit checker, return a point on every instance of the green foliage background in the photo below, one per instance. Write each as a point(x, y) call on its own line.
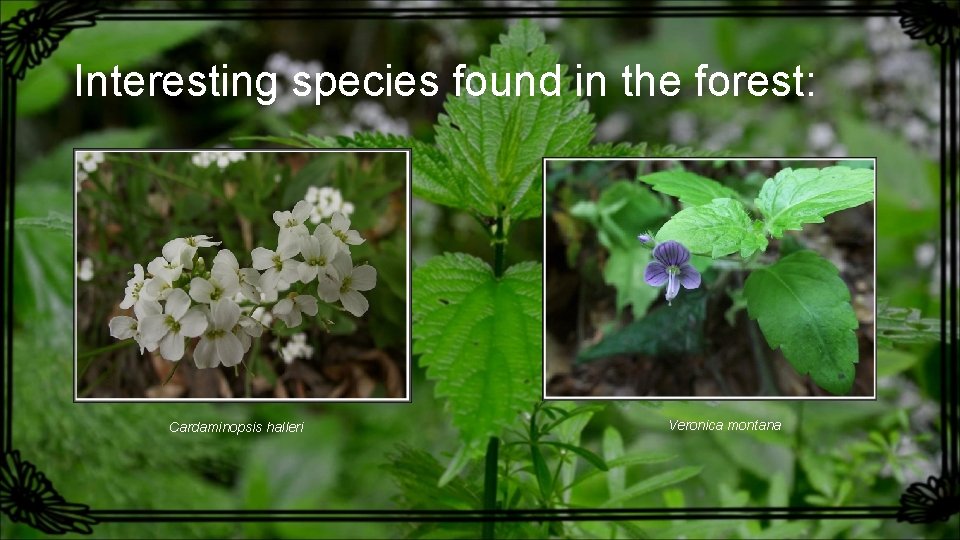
point(121, 456)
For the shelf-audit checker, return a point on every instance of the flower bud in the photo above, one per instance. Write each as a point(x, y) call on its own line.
point(644, 239)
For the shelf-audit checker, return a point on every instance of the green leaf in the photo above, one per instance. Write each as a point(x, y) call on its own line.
point(667, 330)
point(479, 338)
point(54, 222)
point(494, 145)
point(544, 478)
point(794, 197)
point(803, 307)
point(124, 43)
point(718, 228)
point(613, 449)
point(624, 210)
point(624, 271)
point(690, 188)
point(905, 325)
point(653, 483)
point(587, 455)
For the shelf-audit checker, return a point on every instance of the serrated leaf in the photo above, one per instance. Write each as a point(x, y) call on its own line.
point(803, 308)
point(479, 337)
point(494, 145)
point(690, 188)
point(668, 330)
point(797, 196)
point(718, 228)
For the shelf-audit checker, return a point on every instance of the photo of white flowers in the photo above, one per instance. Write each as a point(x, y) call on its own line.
point(242, 275)
point(710, 278)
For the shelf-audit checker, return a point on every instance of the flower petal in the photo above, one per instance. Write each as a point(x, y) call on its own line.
point(194, 323)
point(283, 307)
point(673, 287)
point(343, 264)
point(146, 307)
point(229, 350)
point(177, 304)
point(307, 304)
point(339, 222)
point(329, 288)
point(354, 302)
point(262, 258)
point(301, 210)
point(224, 314)
point(689, 277)
point(354, 238)
point(655, 274)
point(171, 250)
point(204, 356)
point(671, 253)
point(225, 261)
point(280, 218)
point(153, 328)
point(364, 278)
point(200, 290)
point(171, 347)
point(123, 327)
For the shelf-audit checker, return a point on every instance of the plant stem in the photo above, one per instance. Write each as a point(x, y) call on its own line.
point(499, 245)
point(490, 484)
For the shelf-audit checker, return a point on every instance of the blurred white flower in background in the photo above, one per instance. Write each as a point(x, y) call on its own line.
point(325, 201)
point(85, 270)
point(296, 347)
point(221, 159)
point(87, 162)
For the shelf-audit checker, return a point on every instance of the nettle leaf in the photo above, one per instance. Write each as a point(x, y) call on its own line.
point(797, 196)
point(494, 145)
point(803, 307)
point(718, 228)
point(690, 188)
point(479, 337)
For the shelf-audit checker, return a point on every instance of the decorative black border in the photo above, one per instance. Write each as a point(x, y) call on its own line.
point(27, 496)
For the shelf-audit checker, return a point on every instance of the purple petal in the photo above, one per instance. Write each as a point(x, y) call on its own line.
point(655, 274)
point(671, 253)
point(673, 287)
point(689, 277)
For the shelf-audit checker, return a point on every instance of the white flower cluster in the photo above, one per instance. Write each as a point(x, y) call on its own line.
point(221, 158)
point(87, 162)
point(178, 299)
point(297, 347)
point(325, 202)
point(287, 68)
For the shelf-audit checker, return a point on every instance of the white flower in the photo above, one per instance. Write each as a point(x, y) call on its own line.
point(178, 322)
point(291, 223)
point(221, 159)
point(182, 250)
point(340, 226)
point(297, 347)
point(208, 291)
point(88, 161)
point(219, 345)
point(85, 269)
point(247, 328)
point(346, 285)
point(289, 309)
point(123, 327)
point(277, 265)
point(248, 279)
point(164, 273)
point(262, 316)
point(318, 251)
point(135, 288)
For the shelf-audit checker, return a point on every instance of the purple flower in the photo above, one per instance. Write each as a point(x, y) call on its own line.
point(671, 265)
point(644, 239)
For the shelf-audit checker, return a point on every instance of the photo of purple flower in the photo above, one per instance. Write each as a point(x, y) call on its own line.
point(671, 265)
